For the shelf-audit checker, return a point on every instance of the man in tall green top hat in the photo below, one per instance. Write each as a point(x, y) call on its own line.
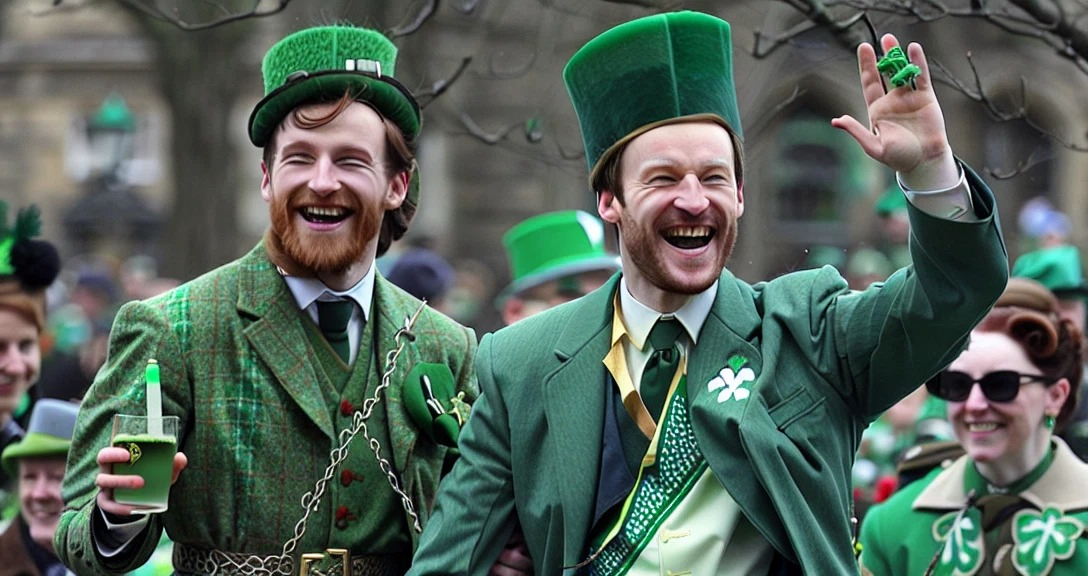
point(679, 419)
point(554, 258)
point(37, 460)
point(274, 360)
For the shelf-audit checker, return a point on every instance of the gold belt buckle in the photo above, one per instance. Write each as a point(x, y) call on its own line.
point(315, 560)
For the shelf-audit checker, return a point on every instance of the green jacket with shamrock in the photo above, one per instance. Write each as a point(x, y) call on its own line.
point(1040, 533)
point(826, 361)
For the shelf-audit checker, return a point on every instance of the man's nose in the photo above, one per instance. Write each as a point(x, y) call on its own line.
point(691, 197)
point(324, 179)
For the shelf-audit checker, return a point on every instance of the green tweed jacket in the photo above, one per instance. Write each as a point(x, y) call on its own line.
point(825, 362)
point(235, 365)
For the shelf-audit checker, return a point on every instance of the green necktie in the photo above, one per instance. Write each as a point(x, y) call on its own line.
point(332, 318)
point(661, 367)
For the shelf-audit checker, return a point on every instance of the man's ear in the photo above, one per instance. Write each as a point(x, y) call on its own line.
point(608, 206)
point(740, 199)
point(266, 182)
point(398, 189)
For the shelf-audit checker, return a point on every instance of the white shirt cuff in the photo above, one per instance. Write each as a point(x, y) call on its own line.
point(952, 203)
point(118, 535)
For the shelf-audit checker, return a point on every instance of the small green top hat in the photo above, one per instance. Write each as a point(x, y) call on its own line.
point(891, 201)
point(553, 245)
point(49, 433)
point(1056, 267)
point(649, 72)
point(323, 63)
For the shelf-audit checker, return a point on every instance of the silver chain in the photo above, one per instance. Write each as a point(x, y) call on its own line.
point(310, 500)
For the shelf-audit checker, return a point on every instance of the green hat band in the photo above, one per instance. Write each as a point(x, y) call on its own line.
point(650, 71)
point(553, 245)
point(323, 63)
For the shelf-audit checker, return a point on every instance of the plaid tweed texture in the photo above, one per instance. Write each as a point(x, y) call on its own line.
point(237, 368)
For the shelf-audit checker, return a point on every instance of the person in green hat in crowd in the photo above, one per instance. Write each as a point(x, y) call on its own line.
point(891, 213)
point(27, 268)
point(679, 419)
point(1059, 269)
point(1014, 503)
point(554, 258)
point(37, 460)
point(319, 403)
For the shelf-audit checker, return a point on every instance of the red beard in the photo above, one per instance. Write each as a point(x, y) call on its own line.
point(326, 254)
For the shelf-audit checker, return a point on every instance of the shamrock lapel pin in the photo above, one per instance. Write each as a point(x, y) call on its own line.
point(731, 379)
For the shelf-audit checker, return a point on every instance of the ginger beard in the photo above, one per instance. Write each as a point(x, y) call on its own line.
point(323, 253)
point(640, 246)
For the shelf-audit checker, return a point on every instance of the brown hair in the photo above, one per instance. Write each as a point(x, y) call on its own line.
point(610, 176)
point(399, 155)
point(1028, 313)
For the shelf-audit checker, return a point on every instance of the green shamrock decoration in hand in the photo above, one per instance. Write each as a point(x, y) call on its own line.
point(898, 68)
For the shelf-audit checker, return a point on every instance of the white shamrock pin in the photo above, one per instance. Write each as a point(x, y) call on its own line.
point(731, 380)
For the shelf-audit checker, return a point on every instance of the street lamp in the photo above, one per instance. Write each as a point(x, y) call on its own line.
point(109, 136)
point(110, 218)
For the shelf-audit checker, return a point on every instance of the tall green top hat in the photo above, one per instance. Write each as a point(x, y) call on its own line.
point(48, 435)
point(553, 245)
point(649, 72)
point(323, 63)
point(1057, 267)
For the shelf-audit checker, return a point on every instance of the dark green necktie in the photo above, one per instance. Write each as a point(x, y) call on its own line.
point(661, 367)
point(332, 318)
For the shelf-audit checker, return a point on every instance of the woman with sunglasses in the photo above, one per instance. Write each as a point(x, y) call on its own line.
point(1017, 501)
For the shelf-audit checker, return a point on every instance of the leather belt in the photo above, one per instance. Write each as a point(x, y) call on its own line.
point(192, 560)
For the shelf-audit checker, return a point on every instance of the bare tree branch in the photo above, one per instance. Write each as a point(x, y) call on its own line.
point(440, 86)
point(482, 135)
point(425, 13)
point(977, 93)
point(151, 9)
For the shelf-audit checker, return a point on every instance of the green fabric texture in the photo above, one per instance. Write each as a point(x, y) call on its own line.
point(553, 245)
point(238, 368)
point(428, 397)
point(322, 53)
point(826, 361)
point(651, 70)
point(1057, 267)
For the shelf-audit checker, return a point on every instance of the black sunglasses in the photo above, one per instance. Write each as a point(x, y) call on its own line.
point(1000, 386)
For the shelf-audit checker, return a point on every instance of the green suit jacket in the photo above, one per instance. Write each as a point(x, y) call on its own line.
point(827, 361)
point(235, 365)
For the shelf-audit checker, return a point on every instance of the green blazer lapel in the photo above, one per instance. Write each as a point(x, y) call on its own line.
point(727, 331)
point(390, 310)
point(278, 336)
point(574, 404)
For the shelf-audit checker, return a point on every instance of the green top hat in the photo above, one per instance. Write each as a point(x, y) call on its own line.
point(1057, 268)
point(48, 434)
point(649, 72)
point(323, 63)
point(553, 245)
point(891, 201)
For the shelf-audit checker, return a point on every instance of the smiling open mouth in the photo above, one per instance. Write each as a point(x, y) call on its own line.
point(324, 215)
point(688, 237)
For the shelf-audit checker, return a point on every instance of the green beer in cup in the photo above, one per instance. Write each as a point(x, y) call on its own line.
point(151, 444)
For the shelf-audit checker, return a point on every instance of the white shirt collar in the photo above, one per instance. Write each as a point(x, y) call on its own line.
point(639, 318)
point(308, 290)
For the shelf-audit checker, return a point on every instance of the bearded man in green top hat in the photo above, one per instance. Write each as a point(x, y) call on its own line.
point(274, 361)
point(679, 419)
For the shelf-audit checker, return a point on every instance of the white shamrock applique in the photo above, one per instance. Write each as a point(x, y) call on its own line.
point(731, 380)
